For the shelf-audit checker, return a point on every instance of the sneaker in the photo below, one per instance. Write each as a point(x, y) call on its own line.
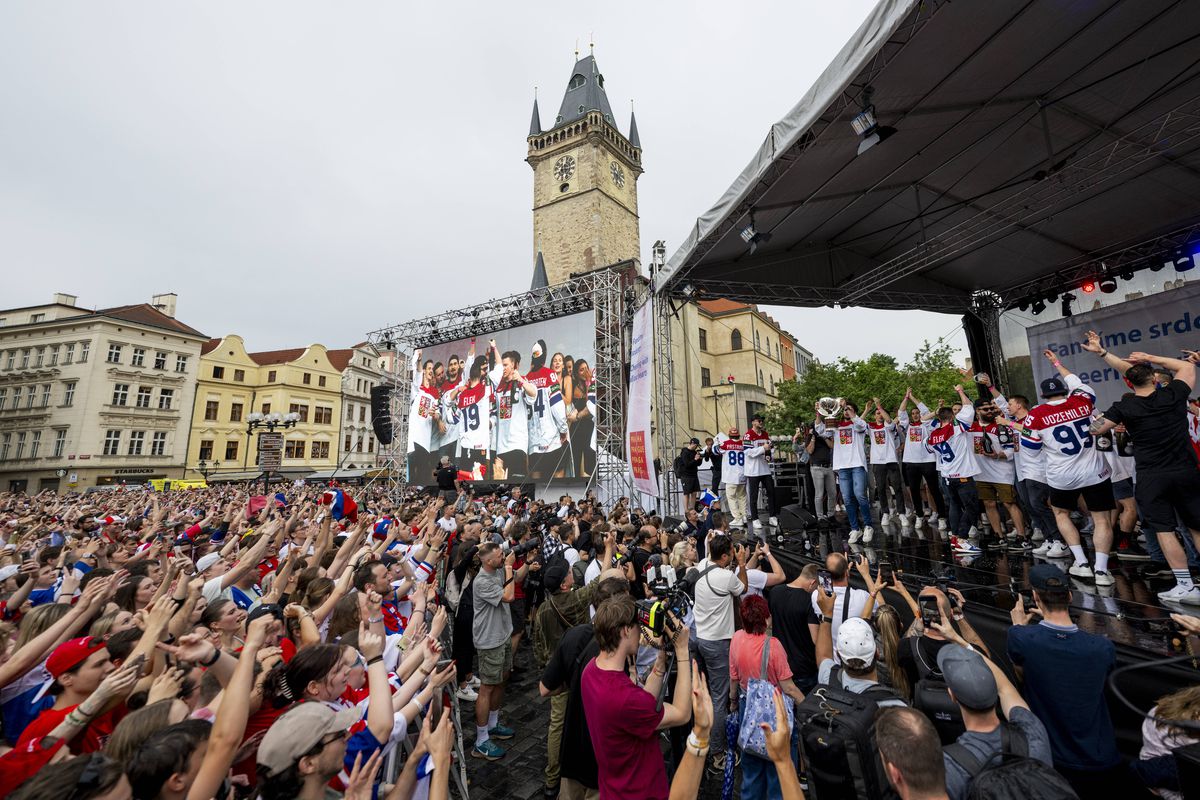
point(933, 517)
point(996, 544)
point(488, 750)
point(940, 522)
point(868, 533)
point(1038, 536)
point(1104, 578)
point(757, 524)
point(500, 732)
point(1178, 594)
point(1011, 536)
point(964, 546)
point(474, 682)
point(1042, 549)
point(1156, 569)
point(1081, 571)
point(885, 519)
point(467, 694)
point(1130, 550)
point(973, 533)
point(774, 522)
point(1023, 546)
point(1058, 550)
point(906, 522)
point(855, 536)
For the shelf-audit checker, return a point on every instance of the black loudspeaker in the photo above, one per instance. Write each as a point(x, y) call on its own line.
point(796, 518)
point(381, 413)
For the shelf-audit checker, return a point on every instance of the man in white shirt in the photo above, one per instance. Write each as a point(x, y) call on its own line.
point(886, 465)
point(954, 444)
point(733, 477)
point(839, 572)
point(850, 463)
point(717, 589)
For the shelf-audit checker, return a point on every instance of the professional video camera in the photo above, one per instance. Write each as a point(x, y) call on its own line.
point(518, 550)
point(672, 595)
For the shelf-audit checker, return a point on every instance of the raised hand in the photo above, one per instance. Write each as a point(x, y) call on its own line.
point(778, 738)
point(1092, 344)
point(166, 686)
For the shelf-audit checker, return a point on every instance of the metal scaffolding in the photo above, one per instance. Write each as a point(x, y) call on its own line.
point(664, 384)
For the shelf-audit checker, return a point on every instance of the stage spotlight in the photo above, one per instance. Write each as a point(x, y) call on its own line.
point(1184, 262)
point(1108, 285)
point(1067, 299)
point(1038, 306)
point(1157, 266)
point(1051, 297)
point(1125, 274)
point(1088, 287)
point(688, 290)
point(1024, 304)
point(754, 237)
point(867, 126)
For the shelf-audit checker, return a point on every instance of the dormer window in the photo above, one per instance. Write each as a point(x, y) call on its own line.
point(577, 80)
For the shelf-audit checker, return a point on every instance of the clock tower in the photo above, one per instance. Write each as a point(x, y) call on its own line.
point(585, 175)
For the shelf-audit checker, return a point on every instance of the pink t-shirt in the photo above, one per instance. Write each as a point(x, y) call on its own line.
point(623, 720)
point(745, 659)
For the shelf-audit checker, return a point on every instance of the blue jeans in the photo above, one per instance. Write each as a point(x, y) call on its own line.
point(760, 781)
point(853, 481)
point(1035, 496)
point(716, 667)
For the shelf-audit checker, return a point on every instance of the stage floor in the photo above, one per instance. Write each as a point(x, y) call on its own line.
point(1128, 612)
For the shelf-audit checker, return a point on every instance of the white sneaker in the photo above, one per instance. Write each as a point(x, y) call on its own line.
point(1058, 550)
point(1104, 578)
point(1037, 536)
point(1011, 536)
point(1042, 549)
point(855, 536)
point(965, 547)
point(1081, 571)
point(941, 522)
point(933, 517)
point(839, 507)
point(973, 533)
point(474, 682)
point(774, 522)
point(467, 694)
point(885, 519)
point(868, 533)
point(906, 522)
point(1181, 595)
point(757, 524)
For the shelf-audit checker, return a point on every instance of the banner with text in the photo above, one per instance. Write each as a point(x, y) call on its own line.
point(1161, 324)
point(638, 448)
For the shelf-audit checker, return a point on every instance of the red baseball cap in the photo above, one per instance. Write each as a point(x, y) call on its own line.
point(67, 655)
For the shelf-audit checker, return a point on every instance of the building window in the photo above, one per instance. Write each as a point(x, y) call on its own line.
point(320, 450)
point(3, 398)
point(69, 393)
point(11, 361)
point(323, 415)
point(120, 394)
point(235, 412)
point(114, 354)
point(139, 357)
point(231, 449)
point(760, 380)
point(266, 408)
point(757, 342)
point(206, 446)
point(84, 349)
point(5, 443)
point(239, 375)
point(112, 443)
point(349, 412)
point(211, 408)
point(302, 410)
point(705, 377)
point(60, 443)
point(158, 446)
point(307, 378)
point(320, 380)
point(54, 356)
point(35, 444)
point(271, 376)
point(181, 363)
point(25, 358)
point(69, 353)
point(30, 393)
point(370, 443)
point(136, 440)
point(293, 449)
point(348, 444)
point(165, 398)
point(46, 395)
point(41, 357)
point(735, 340)
point(160, 360)
point(358, 446)
point(143, 397)
point(37, 318)
point(362, 413)
point(218, 373)
point(20, 445)
point(703, 339)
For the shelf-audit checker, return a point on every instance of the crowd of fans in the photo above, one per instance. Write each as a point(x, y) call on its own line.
point(208, 643)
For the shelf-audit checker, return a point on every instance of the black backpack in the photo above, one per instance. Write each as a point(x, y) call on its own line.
point(678, 467)
point(1010, 774)
point(837, 736)
point(932, 698)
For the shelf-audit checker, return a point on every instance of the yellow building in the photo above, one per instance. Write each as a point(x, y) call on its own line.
point(234, 383)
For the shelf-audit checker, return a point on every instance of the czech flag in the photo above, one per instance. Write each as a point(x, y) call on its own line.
point(708, 498)
point(381, 528)
point(341, 505)
point(281, 499)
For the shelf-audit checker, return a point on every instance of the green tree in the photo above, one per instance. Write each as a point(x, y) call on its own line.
point(931, 373)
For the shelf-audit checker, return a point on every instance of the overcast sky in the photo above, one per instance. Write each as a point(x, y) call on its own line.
point(307, 171)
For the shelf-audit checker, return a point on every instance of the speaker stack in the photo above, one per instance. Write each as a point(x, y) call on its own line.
point(381, 413)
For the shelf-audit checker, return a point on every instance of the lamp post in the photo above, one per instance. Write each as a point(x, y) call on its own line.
point(269, 421)
point(204, 468)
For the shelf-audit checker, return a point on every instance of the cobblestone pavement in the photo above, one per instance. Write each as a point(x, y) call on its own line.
point(519, 775)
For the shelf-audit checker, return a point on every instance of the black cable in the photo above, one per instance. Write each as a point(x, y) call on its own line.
point(1191, 725)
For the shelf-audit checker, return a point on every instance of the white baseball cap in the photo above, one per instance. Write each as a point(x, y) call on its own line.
point(206, 561)
point(856, 640)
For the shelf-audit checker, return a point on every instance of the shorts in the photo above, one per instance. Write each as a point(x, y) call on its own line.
point(495, 663)
point(1123, 490)
point(1161, 494)
point(996, 492)
point(518, 610)
point(1097, 497)
point(689, 484)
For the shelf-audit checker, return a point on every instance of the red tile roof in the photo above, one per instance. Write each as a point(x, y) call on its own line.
point(340, 358)
point(146, 314)
point(209, 346)
point(277, 356)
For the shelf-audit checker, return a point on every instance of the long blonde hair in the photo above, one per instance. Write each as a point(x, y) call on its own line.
point(1183, 705)
point(37, 621)
point(891, 634)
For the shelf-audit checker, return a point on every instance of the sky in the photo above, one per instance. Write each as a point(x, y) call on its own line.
point(306, 172)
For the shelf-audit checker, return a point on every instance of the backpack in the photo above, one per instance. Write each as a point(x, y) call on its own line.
point(678, 467)
point(1010, 774)
point(931, 697)
point(837, 737)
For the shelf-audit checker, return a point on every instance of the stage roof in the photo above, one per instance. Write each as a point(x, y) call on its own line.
point(1033, 140)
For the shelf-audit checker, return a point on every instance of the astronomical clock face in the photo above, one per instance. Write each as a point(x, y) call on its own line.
point(618, 175)
point(564, 168)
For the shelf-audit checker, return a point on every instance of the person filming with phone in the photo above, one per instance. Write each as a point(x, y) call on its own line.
point(834, 581)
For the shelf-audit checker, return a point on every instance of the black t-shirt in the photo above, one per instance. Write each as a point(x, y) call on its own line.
point(1158, 426)
point(929, 649)
point(822, 454)
point(565, 668)
point(791, 614)
point(688, 462)
point(445, 477)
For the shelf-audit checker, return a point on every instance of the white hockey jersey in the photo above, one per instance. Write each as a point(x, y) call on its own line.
point(955, 446)
point(849, 448)
point(733, 460)
point(513, 410)
point(548, 418)
point(883, 442)
point(1060, 429)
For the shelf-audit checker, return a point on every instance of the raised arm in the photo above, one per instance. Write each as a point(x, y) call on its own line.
point(1093, 345)
point(1052, 357)
point(1184, 370)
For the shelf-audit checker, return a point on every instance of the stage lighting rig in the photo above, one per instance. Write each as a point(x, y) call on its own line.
point(1067, 299)
point(1088, 287)
point(867, 126)
point(754, 237)
point(1108, 285)
point(1038, 306)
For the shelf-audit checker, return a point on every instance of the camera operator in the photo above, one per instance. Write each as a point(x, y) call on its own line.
point(446, 476)
point(717, 589)
point(623, 718)
point(644, 546)
point(494, 588)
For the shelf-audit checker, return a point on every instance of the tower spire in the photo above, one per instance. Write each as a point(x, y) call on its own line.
point(585, 92)
point(633, 133)
point(535, 124)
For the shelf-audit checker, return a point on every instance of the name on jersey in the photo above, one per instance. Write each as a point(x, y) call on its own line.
point(1072, 412)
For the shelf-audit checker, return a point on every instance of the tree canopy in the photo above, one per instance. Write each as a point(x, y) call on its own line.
point(931, 373)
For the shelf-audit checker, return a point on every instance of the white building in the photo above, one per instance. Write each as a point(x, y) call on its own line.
point(361, 367)
point(93, 398)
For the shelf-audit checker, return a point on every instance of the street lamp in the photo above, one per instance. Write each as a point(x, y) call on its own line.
point(204, 468)
point(270, 422)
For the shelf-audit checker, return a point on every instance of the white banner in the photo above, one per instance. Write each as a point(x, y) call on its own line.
point(638, 450)
point(1160, 324)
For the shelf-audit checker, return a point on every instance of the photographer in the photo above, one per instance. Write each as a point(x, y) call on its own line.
point(492, 628)
point(623, 718)
point(717, 589)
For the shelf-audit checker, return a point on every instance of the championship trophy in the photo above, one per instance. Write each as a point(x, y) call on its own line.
point(829, 407)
